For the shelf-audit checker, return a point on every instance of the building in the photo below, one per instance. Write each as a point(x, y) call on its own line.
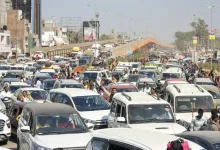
point(4, 6)
point(5, 44)
point(21, 35)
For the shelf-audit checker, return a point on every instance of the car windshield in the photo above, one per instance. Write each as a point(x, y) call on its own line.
point(141, 85)
point(13, 88)
point(50, 73)
point(38, 94)
point(12, 74)
point(148, 74)
point(170, 76)
point(10, 80)
point(205, 83)
point(130, 89)
point(135, 66)
point(150, 113)
point(90, 103)
point(133, 78)
point(49, 85)
point(59, 124)
point(216, 146)
point(42, 78)
point(187, 103)
point(17, 68)
point(90, 76)
point(214, 95)
point(4, 67)
point(79, 86)
point(32, 69)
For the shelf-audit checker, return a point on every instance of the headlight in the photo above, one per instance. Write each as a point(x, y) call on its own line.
point(89, 121)
point(8, 123)
point(38, 147)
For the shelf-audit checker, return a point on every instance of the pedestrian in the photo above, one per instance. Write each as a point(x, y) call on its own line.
point(146, 88)
point(214, 124)
point(28, 81)
point(38, 84)
point(198, 121)
point(5, 92)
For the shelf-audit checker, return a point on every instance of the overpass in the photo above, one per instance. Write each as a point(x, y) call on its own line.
point(64, 50)
point(128, 49)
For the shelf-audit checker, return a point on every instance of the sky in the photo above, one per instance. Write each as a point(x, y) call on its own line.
point(158, 18)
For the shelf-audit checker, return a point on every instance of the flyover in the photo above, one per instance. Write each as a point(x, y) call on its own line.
point(64, 50)
point(147, 43)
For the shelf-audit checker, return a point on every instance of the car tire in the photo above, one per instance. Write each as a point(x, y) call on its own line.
point(18, 144)
point(5, 142)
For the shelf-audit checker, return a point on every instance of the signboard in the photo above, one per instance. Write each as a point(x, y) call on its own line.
point(195, 41)
point(211, 34)
point(90, 30)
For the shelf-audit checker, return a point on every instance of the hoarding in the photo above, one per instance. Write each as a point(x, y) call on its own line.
point(91, 30)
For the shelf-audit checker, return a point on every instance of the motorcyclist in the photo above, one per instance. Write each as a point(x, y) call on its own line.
point(5, 92)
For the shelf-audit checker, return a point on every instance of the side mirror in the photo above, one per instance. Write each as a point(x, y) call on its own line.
point(25, 129)
point(89, 125)
point(177, 118)
point(120, 119)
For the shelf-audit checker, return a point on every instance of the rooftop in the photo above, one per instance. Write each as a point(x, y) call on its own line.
point(49, 108)
point(138, 98)
point(73, 92)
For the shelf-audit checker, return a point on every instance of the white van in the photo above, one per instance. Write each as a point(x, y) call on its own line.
point(172, 73)
point(187, 97)
point(51, 72)
point(173, 61)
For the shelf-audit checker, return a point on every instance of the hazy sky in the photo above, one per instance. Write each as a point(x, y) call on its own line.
point(162, 17)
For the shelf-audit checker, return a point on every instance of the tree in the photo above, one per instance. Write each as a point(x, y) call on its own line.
point(104, 37)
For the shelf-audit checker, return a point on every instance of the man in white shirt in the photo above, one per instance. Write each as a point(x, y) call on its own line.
point(38, 84)
point(5, 92)
point(146, 88)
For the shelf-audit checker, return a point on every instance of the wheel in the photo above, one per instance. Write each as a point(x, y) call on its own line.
point(18, 144)
point(5, 142)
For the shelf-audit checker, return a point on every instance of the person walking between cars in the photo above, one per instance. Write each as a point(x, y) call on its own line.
point(198, 121)
point(38, 84)
point(214, 124)
point(146, 88)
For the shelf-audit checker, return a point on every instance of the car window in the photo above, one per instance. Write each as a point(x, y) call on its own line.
point(52, 97)
point(58, 98)
point(17, 93)
point(123, 111)
point(99, 145)
point(203, 144)
point(113, 107)
point(118, 110)
point(67, 101)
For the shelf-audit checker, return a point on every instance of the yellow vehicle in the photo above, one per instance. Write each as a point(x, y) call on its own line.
point(76, 49)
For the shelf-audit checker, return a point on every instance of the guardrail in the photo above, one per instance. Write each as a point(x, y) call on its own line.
point(63, 50)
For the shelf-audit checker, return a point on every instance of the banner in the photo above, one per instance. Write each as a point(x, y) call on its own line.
point(211, 34)
point(195, 41)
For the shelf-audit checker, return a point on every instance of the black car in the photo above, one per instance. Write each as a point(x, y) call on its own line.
point(48, 84)
point(13, 115)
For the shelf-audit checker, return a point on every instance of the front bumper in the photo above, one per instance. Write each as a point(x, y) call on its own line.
point(5, 137)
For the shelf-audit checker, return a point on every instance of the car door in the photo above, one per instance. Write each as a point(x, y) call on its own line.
point(117, 114)
point(111, 116)
point(15, 95)
point(24, 138)
point(12, 116)
point(123, 114)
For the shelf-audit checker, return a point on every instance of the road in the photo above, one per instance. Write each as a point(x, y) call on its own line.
point(11, 144)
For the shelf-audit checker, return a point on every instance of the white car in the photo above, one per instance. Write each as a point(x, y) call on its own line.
point(142, 111)
point(90, 105)
point(5, 128)
point(133, 139)
point(51, 126)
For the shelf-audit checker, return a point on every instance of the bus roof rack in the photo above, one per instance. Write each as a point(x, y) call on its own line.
point(178, 90)
point(200, 89)
point(126, 96)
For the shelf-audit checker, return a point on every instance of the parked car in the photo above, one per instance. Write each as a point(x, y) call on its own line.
point(51, 126)
point(209, 140)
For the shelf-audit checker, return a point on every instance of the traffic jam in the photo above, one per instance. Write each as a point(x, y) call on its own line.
point(93, 101)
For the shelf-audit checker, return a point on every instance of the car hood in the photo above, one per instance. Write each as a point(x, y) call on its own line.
point(95, 115)
point(63, 140)
point(169, 128)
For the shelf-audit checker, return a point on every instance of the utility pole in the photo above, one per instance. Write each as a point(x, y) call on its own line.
point(16, 19)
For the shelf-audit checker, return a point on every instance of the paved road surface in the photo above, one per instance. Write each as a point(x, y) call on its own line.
point(11, 144)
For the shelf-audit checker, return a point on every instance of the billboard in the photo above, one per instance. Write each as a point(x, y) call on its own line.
point(91, 30)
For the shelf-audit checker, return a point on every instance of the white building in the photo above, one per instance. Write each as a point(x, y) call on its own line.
point(5, 43)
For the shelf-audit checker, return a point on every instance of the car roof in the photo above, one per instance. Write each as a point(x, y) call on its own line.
point(11, 79)
point(210, 136)
point(41, 74)
point(68, 81)
point(73, 92)
point(19, 71)
point(146, 80)
point(47, 70)
point(20, 104)
point(31, 89)
point(211, 88)
point(18, 83)
point(142, 138)
point(169, 80)
point(187, 89)
point(205, 80)
point(138, 98)
point(173, 70)
point(49, 108)
point(48, 80)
